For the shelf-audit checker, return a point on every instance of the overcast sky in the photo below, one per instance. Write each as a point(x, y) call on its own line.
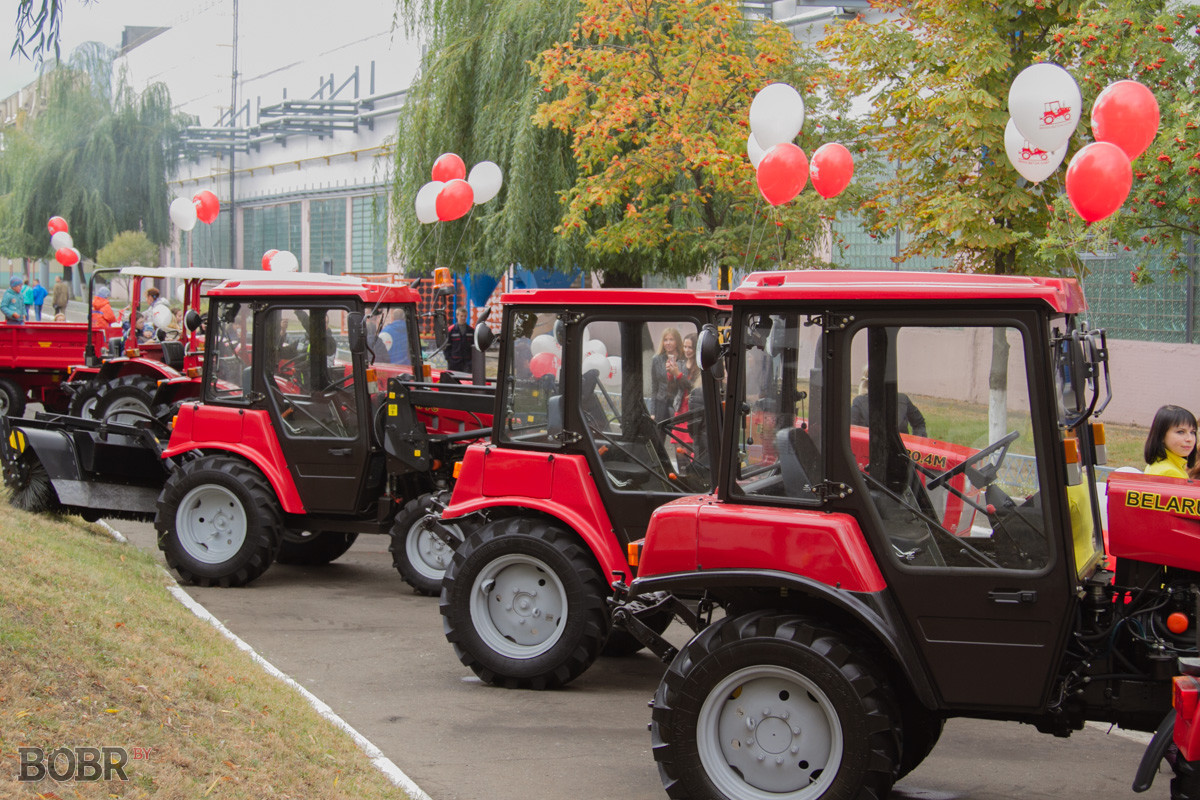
point(98, 20)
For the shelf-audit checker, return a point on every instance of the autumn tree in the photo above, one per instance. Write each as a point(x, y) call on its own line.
point(654, 95)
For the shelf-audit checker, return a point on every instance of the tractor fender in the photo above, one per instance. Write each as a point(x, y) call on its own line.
point(176, 390)
point(1155, 751)
point(555, 485)
point(244, 432)
point(873, 613)
point(155, 370)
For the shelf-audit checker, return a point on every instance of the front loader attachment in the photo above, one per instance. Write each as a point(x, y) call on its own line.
point(82, 466)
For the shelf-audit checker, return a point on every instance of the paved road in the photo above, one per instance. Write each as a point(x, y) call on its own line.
point(354, 635)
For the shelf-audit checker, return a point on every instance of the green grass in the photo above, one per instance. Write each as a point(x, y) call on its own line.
point(95, 652)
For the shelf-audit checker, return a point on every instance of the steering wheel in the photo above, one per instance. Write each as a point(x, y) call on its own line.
point(979, 477)
point(340, 383)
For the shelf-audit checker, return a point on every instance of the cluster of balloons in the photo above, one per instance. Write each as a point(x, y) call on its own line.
point(546, 355)
point(280, 261)
point(452, 192)
point(204, 206)
point(1045, 104)
point(546, 358)
point(61, 242)
point(782, 169)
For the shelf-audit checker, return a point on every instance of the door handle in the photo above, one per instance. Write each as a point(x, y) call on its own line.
point(1013, 596)
point(340, 451)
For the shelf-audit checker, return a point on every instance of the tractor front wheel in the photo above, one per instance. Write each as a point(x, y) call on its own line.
point(313, 549)
point(218, 522)
point(12, 399)
point(770, 705)
point(418, 553)
point(524, 604)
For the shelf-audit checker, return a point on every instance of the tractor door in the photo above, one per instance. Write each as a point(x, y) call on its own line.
point(950, 425)
point(318, 403)
point(645, 408)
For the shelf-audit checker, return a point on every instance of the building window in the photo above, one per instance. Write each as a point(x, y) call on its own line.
point(270, 228)
point(210, 244)
point(327, 236)
point(369, 234)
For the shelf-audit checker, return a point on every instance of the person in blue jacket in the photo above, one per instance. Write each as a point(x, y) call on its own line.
point(27, 297)
point(12, 306)
point(39, 298)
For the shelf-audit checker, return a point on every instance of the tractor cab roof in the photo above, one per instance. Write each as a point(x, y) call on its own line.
point(254, 284)
point(1061, 294)
point(615, 297)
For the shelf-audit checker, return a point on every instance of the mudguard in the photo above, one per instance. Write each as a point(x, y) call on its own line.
point(1154, 753)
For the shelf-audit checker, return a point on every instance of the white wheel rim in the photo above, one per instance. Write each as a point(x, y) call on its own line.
point(427, 553)
point(3, 403)
point(89, 405)
point(768, 733)
point(116, 411)
point(211, 524)
point(518, 606)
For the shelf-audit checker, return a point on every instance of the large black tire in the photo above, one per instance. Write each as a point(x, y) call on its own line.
point(313, 549)
point(127, 399)
point(921, 731)
point(29, 487)
point(12, 399)
point(218, 522)
point(524, 604)
point(1186, 783)
point(83, 401)
point(418, 553)
point(771, 705)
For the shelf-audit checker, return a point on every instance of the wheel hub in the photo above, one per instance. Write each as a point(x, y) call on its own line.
point(518, 606)
point(211, 524)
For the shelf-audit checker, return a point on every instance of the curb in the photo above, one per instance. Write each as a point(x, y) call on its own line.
point(378, 759)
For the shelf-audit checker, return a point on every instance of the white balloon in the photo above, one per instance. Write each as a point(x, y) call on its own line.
point(776, 115)
point(614, 373)
point(180, 292)
point(485, 180)
point(543, 343)
point(161, 316)
point(1034, 163)
point(60, 240)
point(284, 261)
point(593, 346)
point(426, 202)
point(183, 213)
point(598, 362)
point(754, 150)
point(1045, 104)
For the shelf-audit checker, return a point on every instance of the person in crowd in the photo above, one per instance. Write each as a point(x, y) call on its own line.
point(60, 297)
point(27, 299)
point(394, 338)
point(911, 420)
point(102, 310)
point(666, 374)
point(12, 305)
point(158, 311)
point(39, 299)
point(1171, 443)
point(461, 339)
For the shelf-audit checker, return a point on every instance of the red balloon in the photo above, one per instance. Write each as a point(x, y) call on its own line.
point(454, 200)
point(782, 173)
point(543, 364)
point(56, 225)
point(831, 169)
point(267, 256)
point(1126, 114)
point(1098, 180)
point(449, 167)
point(67, 256)
point(207, 206)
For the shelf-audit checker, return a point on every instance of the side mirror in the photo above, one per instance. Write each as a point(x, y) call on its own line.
point(708, 347)
point(356, 332)
point(192, 320)
point(483, 337)
point(441, 331)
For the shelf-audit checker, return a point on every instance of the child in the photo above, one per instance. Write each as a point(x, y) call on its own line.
point(1171, 444)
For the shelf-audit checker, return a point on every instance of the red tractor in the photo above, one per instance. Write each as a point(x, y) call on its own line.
point(304, 433)
point(597, 423)
point(873, 582)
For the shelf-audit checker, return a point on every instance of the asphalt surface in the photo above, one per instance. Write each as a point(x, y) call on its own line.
point(357, 637)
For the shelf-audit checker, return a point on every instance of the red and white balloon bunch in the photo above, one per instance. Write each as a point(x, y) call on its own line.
point(61, 242)
point(204, 206)
point(452, 192)
point(280, 261)
point(1045, 107)
point(782, 168)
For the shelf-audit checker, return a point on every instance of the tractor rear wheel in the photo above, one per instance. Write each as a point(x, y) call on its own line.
point(312, 549)
point(126, 399)
point(83, 401)
point(1186, 783)
point(12, 399)
point(418, 553)
point(771, 705)
point(218, 522)
point(524, 604)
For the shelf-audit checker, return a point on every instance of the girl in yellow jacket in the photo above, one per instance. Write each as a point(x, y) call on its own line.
point(1171, 444)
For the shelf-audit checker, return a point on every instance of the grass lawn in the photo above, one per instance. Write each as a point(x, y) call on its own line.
point(95, 653)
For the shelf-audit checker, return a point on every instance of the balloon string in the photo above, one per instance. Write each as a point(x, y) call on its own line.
point(462, 235)
point(750, 236)
point(758, 244)
point(779, 238)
